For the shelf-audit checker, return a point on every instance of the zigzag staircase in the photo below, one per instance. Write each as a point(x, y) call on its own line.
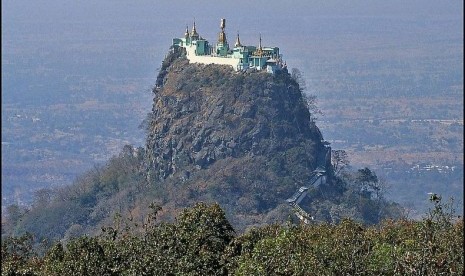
point(318, 177)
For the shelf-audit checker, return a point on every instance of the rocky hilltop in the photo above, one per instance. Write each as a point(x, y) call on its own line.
point(244, 139)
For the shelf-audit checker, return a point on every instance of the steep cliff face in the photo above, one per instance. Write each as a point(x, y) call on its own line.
point(230, 136)
point(202, 114)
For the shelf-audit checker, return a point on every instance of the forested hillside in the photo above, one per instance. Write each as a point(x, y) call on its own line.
point(203, 242)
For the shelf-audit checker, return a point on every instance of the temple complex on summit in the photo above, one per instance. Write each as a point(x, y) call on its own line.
point(240, 57)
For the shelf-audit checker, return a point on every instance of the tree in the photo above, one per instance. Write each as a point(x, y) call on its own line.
point(310, 100)
point(202, 242)
point(339, 160)
point(311, 103)
point(297, 76)
point(42, 197)
point(367, 180)
point(18, 255)
point(13, 216)
point(85, 256)
point(369, 184)
point(203, 232)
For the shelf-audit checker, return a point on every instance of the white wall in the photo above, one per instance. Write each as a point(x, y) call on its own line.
point(209, 59)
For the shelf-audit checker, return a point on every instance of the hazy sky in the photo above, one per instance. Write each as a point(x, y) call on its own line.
point(252, 12)
point(158, 21)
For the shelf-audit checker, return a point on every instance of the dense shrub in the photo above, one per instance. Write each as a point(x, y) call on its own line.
point(202, 242)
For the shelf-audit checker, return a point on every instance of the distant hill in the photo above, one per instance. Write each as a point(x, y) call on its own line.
point(243, 139)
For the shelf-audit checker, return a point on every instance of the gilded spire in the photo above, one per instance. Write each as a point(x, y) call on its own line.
point(194, 33)
point(238, 41)
point(222, 34)
point(259, 51)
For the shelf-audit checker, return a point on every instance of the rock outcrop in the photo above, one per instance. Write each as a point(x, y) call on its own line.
point(210, 124)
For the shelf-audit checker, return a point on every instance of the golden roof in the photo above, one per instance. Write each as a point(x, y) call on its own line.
point(194, 31)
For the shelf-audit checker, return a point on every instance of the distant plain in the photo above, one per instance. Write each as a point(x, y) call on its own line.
point(77, 78)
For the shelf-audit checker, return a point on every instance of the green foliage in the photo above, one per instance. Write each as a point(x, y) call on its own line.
point(358, 194)
point(18, 256)
point(202, 242)
point(366, 179)
point(202, 234)
point(392, 248)
point(69, 211)
point(84, 256)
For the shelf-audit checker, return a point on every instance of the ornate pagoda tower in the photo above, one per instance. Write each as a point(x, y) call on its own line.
point(222, 46)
